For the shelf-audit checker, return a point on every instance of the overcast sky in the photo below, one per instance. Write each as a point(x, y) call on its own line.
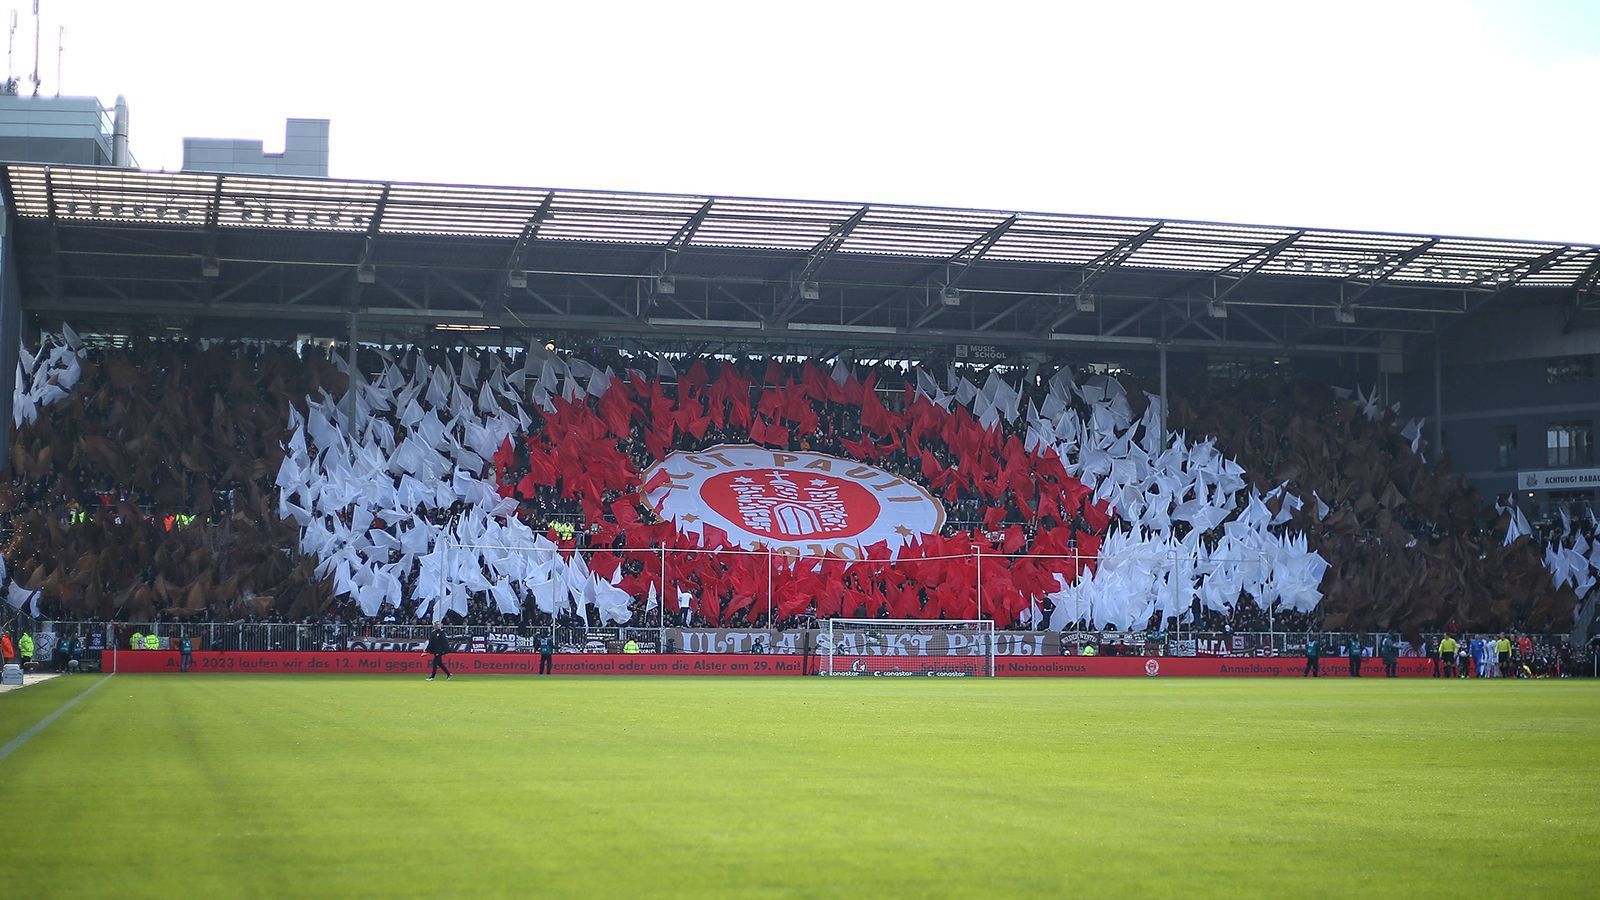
point(1453, 118)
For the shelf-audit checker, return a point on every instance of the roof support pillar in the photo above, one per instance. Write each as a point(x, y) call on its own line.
point(1438, 397)
point(350, 360)
point(1161, 350)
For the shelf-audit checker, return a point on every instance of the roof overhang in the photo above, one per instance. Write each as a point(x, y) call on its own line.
point(273, 253)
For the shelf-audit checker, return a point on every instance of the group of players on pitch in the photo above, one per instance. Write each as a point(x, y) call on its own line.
point(1451, 659)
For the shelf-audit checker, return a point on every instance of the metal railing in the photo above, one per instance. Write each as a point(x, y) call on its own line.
point(300, 637)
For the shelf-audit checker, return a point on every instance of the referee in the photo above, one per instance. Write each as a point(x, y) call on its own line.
point(438, 645)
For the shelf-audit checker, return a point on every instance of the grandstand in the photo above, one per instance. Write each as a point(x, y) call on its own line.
point(1126, 423)
point(294, 436)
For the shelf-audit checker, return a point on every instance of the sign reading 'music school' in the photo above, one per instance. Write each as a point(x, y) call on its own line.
point(792, 501)
point(1559, 480)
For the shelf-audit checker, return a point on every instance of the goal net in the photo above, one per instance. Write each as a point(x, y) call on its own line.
point(933, 647)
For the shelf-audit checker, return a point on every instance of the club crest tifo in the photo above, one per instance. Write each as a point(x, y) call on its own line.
point(792, 501)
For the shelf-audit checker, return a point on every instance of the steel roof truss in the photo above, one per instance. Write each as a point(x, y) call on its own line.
point(1251, 264)
point(1103, 265)
point(1382, 273)
point(807, 269)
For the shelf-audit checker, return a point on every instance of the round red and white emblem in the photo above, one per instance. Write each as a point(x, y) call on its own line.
point(1152, 667)
point(795, 501)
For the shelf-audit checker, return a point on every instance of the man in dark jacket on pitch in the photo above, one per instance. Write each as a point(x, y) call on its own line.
point(546, 648)
point(438, 645)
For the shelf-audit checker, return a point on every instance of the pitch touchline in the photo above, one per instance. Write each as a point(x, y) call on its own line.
point(22, 738)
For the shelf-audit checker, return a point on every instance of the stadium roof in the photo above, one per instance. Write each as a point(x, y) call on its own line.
point(120, 244)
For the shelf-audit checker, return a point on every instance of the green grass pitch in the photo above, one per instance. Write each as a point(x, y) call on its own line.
point(216, 785)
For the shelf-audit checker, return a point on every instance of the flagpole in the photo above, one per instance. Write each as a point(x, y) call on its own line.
point(444, 556)
point(661, 617)
point(977, 551)
point(769, 589)
point(1077, 569)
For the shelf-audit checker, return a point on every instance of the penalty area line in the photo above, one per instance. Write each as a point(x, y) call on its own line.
point(16, 742)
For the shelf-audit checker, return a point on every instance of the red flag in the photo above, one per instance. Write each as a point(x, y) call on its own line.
point(589, 502)
point(863, 449)
point(1098, 515)
point(905, 602)
point(708, 608)
point(504, 455)
point(712, 537)
point(770, 406)
point(1048, 507)
point(696, 378)
point(830, 597)
point(1014, 539)
point(627, 515)
point(658, 480)
point(603, 565)
point(993, 516)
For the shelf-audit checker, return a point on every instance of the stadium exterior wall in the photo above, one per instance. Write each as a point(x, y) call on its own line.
point(11, 326)
point(1499, 385)
point(381, 663)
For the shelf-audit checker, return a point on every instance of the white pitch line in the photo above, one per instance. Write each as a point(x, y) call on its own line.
point(22, 738)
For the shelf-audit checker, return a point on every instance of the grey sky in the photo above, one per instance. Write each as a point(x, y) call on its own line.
point(1455, 118)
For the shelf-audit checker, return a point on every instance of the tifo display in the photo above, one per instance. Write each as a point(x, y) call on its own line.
point(596, 489)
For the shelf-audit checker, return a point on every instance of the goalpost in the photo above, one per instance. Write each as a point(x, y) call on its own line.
point(900, 647)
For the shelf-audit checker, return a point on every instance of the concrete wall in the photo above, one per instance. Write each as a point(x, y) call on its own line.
point(11, 325)
point(305, 153)
point(1494, 376)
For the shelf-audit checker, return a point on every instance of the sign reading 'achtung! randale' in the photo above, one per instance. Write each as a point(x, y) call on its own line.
point(794, 502)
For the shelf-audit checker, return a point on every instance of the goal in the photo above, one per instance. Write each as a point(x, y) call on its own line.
point(932, 647)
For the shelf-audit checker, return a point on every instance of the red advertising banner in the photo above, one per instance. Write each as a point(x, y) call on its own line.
point(381, 663)
point(390, 663)
point(1196, 666)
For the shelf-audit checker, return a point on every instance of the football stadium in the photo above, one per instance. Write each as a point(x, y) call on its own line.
point(398, 538)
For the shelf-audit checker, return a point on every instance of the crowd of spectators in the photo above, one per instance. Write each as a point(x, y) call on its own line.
point(1411, 545)
point(147, 494)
